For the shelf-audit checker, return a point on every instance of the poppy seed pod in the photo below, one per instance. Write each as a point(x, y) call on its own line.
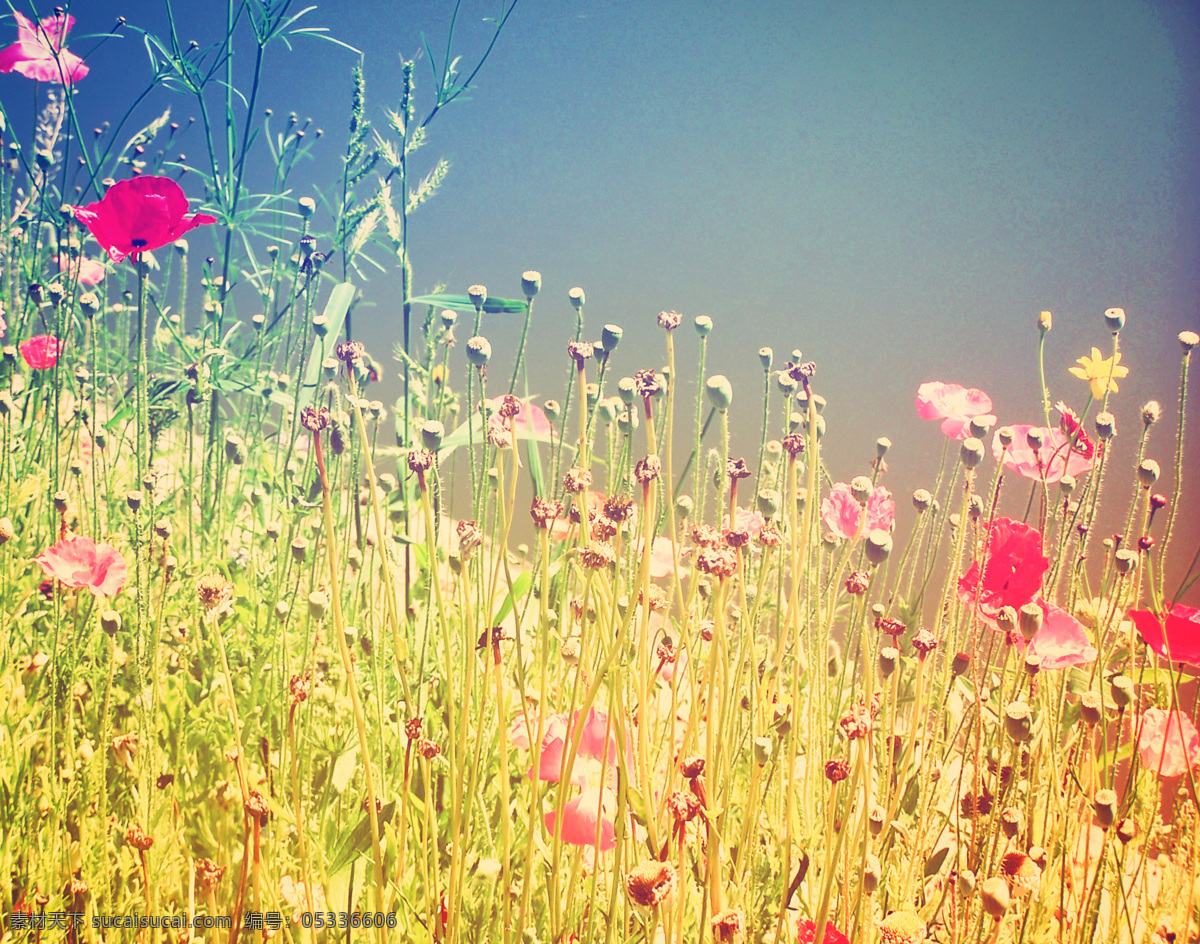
point(703, 325)
point(882, 445)
point(1188, 340)
point(1066, 485)
point(921, 500)
point(1006, 619)
point(307, 206)
point(1018, 721)
point(1106, 426)
point(861, 488)
point(627, 390)
point(965, 883)
point(552, 409)
point(1125, 561)
point(878, 546)
point(110, 622)
point(1033, 664)
point(768, 500)
point(765, 357)
point(833, 657)
point(1120, 690)
point(993, 894)
point(1114, 319)
point(479, 351)
point(719, 391)
point(1091, 708)
point(1030, 618)
point(872, 872)
point(889, 658)
point(982, 425)
point(1035, 439)
point(576, 298)
point(971, 452)
point(477, 294)
point(610, 337)
point(607, 409)
point(1147, 473)
point(531, 283)
point(1105, 805)
point(628, 421)
point(1012, 821)
point(1005, 434)
point(449, 318)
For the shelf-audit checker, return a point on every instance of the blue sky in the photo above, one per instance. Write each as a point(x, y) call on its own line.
point(896, 188)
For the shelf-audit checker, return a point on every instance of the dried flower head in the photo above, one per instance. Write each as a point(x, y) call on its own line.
point(498, 434)
point(300, 686)
point(208, 873)
point(682, 805)
point(580, 351)
point(717, 562)
point(314, 419)
point(469, 537)
point(902, 927)
point(428, 749)
point(139, 838)
point(924, 642)
point(544, 511)
point(670, 320)
point(728, 926)
point(858, 582)
point(736, 469)
point(215, 592)
point(793, 445)
point(597, 556)
point(646, 384)
point(650, 883)
point(350, 352)
point(648, 469)
point(837, 770)
point(576, 480)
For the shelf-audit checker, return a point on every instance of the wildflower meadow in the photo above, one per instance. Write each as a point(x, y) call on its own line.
point(282, 658)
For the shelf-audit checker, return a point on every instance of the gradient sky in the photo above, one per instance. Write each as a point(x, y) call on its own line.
point(897, 188)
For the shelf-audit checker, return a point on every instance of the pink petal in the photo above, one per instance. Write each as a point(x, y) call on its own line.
point(1062, 642)
point(580, 816)
point(1169, 743)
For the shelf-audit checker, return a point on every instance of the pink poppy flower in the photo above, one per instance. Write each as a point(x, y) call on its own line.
point(83, 270)
point(79, 562)
point(140, 215)
point(842, 513)
point(41, 351)
point(662, 557)
point(1062, 642)
point(1055, 458)
point(747, 520)
point(954, 405)
point(1169, 743)
point(1175, 637)
point(594, 771)
point(808, 933)
point(530, 417)
point(38, 53)
point(1012, 572)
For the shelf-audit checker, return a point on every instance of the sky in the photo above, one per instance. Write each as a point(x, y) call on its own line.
point(895, 188)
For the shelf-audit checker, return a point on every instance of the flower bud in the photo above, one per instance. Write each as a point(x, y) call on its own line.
point(1045, 322)
point(872, 872)
point(965, 883)
point(719, 391)
point(971, 452)
point(1114, 319)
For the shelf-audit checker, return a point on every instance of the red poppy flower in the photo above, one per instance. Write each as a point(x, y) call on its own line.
point(1012, 571)
point(808, 933)
point(1176, 636)
point(139, 215)
point(41, 352)
point(80, 562)
point(38, 54)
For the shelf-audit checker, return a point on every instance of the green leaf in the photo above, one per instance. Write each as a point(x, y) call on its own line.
point(493, 306)
point(335, 316)
point(343, 770)
point(519, 589)
point(357, 843)
point(933, 864)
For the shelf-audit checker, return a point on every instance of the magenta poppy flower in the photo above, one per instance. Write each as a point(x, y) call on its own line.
point(79, 562)
point(139, 215)
point(808, 933)
point(841, 512)
point(41, 351)
point(38, 53)
point(1062, 642)
point(1168, 743)
point(954, 405)
point(83, 270)
point(1054, 459)
point(1175, 637)
point(1012, 570)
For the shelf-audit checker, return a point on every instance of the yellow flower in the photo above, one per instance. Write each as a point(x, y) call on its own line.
point(1102, 373)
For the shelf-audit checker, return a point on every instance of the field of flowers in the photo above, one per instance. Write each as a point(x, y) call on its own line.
point(471, 667)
